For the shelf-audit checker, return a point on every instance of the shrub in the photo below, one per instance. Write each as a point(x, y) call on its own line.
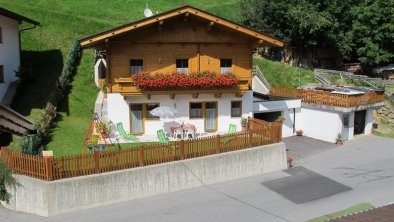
point(6, 180)
point(32, 144)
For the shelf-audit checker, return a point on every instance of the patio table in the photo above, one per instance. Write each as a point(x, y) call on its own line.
point(185, 128)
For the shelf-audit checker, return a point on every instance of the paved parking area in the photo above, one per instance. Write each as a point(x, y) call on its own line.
point(300, 147)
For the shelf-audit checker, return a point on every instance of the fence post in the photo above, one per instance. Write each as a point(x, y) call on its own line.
point(96, 156)
point(182, 149)
point(250, 138)
point(217, 143)
point(49, 168)
point(141, 156)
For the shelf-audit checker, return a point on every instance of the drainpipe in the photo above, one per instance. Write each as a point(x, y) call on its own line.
point(20, 41)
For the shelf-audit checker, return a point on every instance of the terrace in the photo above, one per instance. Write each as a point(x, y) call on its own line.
point(344, 97)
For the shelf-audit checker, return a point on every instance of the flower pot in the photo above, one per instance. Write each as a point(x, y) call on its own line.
point(244, 129)
point(339, 142)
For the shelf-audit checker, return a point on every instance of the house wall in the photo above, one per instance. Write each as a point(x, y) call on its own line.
point(368, 121)
point(322, 124)
point(118, 110)
point(9, 52)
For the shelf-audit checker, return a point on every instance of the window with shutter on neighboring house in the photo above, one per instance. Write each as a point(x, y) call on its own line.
point(225, 66)
point(1, 73)
point(182, 66)
point(136, 66)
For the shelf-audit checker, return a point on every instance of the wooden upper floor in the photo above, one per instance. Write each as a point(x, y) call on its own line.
point(183, 40)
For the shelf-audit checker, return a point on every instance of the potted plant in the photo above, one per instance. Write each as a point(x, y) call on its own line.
point(244, 124)
point(299, 132)
point(280, 119)
point(339, 139)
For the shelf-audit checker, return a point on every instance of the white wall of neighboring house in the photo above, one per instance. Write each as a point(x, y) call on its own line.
point(118, 110)
point(9, 52)
point(287, 108)
point(368, 121)
point(321, 124)
point(259, 86)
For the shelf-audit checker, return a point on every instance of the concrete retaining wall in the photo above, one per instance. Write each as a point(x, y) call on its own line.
point(52, 198)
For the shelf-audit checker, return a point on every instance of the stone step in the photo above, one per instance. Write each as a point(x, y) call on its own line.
point(11, 92)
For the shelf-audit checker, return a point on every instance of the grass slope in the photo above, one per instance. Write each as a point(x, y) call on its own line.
point(279, 74)
point(45, 49)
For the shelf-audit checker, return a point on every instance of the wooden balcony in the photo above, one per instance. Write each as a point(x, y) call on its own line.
point(331, 99)
point(127, 87)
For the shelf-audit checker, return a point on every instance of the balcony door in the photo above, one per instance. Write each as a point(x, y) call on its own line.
point(137, 120)
point(210, 117)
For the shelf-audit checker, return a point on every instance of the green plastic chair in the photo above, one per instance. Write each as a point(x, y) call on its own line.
point(232, 128)
point(162, 137)
point(124, 134)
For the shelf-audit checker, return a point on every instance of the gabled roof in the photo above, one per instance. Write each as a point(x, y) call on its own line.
point(14, 123)
point(100, 37)
point(17, 17)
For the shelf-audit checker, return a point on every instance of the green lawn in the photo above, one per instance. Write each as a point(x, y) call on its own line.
point(354, 209)
point(45, 49)
point(279, 74)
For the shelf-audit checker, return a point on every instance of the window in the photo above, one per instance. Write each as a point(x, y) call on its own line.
point(236, 108)
point(150, 107)
point(1, 73)
point(182, 65)
point(1, 35)
point(195, 110)
point(136, 66)
point(225, 65)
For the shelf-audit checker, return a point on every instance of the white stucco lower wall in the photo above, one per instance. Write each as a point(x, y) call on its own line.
point(118, 110)
point(9, 52)
point(321, 124)
point(368, 121)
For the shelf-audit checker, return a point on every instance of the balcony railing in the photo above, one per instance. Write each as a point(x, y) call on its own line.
point(331, 99)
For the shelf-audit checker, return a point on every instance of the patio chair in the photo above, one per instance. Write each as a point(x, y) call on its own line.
point(162, 137)
point(232, 128)
point(124, 134)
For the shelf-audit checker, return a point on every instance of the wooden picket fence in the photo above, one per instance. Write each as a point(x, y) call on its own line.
point(260, 133)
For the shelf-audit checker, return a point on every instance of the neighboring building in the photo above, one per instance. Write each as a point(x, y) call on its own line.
point(10, 47)
point(12, 123)
point(185, 40)
point(327, 112)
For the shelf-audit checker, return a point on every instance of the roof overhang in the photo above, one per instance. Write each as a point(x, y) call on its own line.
point(16, 16)
point(12, 122)
point(92, 40)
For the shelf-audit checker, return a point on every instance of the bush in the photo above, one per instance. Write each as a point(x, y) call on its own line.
point(32, 144)
point(6, 180)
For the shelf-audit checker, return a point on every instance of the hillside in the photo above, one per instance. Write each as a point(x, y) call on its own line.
point(45, 49)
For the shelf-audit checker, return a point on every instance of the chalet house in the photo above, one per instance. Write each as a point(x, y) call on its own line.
point(187, 59)
point(10, 46)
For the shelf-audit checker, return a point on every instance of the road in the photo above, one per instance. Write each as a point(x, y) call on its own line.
point(360, 171)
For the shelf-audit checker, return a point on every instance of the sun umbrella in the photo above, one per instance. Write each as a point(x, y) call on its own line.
point(164, 111)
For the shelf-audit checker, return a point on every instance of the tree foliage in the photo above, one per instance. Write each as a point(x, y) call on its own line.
point(359, 29)
point(6, 180)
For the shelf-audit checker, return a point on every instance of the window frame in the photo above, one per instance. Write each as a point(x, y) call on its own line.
point(136, 60)
point(2, 77)
point(240, 108)
point(147, 111)
point(202, 110)
point(182, 68)
point(224, 65)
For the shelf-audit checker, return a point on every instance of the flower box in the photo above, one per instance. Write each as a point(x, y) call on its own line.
point(145, 80)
